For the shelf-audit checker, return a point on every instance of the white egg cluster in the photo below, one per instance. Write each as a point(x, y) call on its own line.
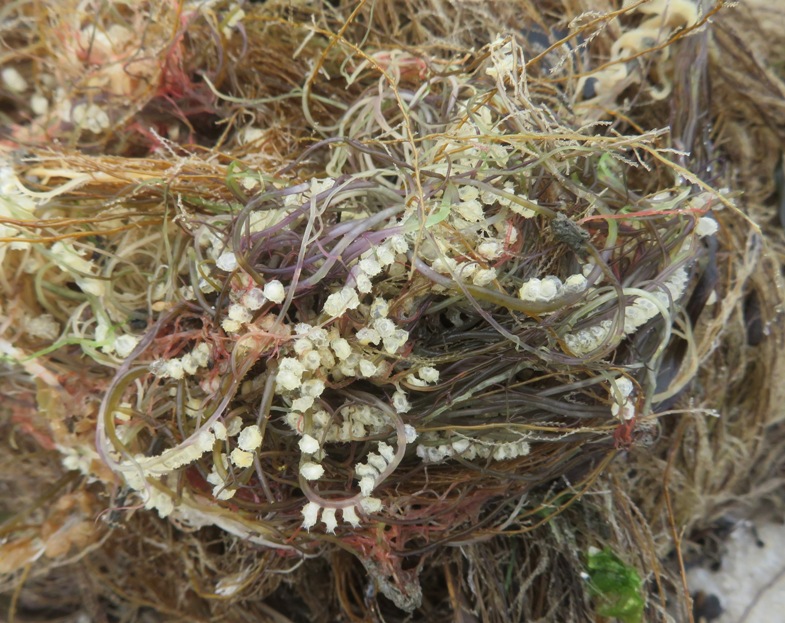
point(437, 448)
point(622, 405)
point(249, 440)
point(179, 367)
point(644, 307)
point(312, 510)
point(248, 300)
point(369, 474)
point(551, 287)
point(375, 463)
point(148, 474)
point(320, 354)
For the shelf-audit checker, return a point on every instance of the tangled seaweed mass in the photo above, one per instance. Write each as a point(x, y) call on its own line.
point(283, 288)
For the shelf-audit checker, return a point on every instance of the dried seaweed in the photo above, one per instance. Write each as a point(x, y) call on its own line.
point(365, 303)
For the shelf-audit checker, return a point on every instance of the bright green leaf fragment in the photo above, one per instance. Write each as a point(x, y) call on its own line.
point(615, 586)
point(609, 169)
point(442, 213)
